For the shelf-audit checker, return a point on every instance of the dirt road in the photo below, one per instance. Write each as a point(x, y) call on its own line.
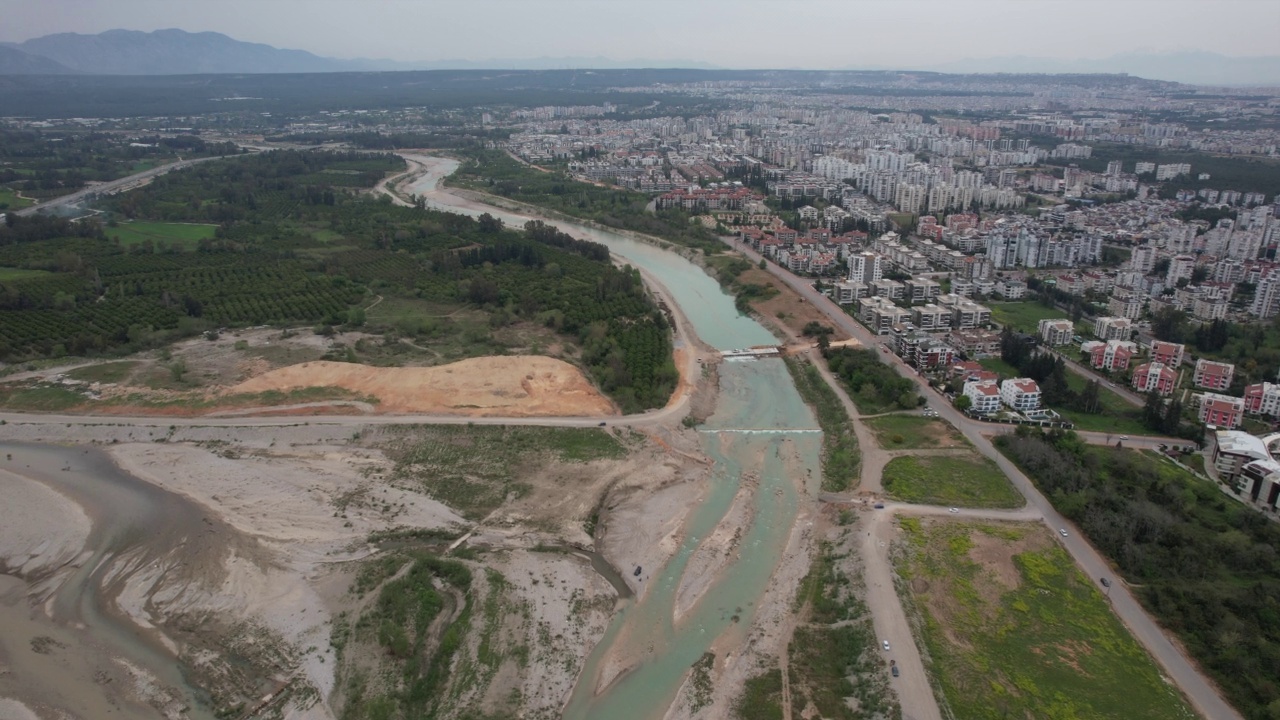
point(1181, 670)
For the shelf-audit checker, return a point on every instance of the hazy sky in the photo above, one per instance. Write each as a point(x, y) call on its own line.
point(728, 33)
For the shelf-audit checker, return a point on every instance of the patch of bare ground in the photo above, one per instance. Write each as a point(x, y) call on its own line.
point(526, 385)
point(786, 307)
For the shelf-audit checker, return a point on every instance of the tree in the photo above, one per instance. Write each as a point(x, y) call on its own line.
point(963, 403)
point(1169, 324)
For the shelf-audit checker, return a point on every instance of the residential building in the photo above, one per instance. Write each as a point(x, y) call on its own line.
point(1180, 268)
point(1113, 328)
point(1213, 375)
point(1021, 394)
point(1112, 355)
point(975, 343)
point(1126, 305)
point(922, 289)
point(1266, 298)
point(891, 289)
point(1262, 399)
point(846, 292)
point(1222, 411)
point(965, 314)
point(1011, 289)
point(984, 396)
point(880, 314)
point(865, 267)
point(1056, 332)
point(1154, 376)
point(931, 318)
point(1167, 353)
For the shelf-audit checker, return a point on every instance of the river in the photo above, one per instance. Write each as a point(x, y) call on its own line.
point(135, 526)
point(762, 431)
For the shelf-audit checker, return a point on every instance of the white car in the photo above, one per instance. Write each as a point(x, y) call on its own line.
point(1062, 532)
point(953, 510)
point(885, 643)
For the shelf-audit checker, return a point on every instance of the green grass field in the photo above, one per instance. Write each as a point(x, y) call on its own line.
point(112, 372)
point(996, 365)
point(963, 480)
point(899, 432)
point(7, 273)
point(1023, 316)
point(181, 235)
point(9, 200)
point(1014, 630)
point(1117, 415)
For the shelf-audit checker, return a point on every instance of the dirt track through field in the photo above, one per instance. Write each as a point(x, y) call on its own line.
point(516, 385)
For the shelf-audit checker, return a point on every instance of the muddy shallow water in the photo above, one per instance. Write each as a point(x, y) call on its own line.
point(67, 643)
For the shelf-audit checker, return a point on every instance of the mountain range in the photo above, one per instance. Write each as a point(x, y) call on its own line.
point(177, 52)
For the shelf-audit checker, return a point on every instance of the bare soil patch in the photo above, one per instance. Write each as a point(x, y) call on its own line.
point(786, 307)
point(521, 385)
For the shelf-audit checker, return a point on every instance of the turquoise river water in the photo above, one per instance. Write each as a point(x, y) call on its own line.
point(761, 430)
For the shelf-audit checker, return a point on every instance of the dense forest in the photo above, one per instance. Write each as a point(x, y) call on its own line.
point(1205, 565)
point(495, 172)
point(297, 243)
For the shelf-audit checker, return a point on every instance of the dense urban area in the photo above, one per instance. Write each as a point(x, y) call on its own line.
point(474, 395)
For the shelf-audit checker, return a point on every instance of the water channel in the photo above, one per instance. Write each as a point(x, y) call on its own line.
point(761, 431)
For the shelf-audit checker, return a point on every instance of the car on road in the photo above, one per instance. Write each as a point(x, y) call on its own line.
point(1062, 532)
point(885, 643)
point(895, 670)
point(953, 510)
point(1124, 437)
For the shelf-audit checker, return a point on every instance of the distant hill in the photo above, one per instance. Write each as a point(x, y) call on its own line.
point(1195, 68)
point(177, 52)
point(16, 62)
point(171, 52)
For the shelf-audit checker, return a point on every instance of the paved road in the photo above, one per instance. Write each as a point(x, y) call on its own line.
point(112, 186)
point(1177, 666)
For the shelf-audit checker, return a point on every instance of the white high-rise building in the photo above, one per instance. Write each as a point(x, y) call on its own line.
point(1143, 259)
point(1266, 299)
point(865, 267)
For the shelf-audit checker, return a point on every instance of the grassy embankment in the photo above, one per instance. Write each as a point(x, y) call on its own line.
point(179, 236)
point(1013, 629)
point(967, 480)
point(839, 444)
point(914, 432)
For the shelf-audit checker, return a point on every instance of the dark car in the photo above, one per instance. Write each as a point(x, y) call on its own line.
point(895, 670)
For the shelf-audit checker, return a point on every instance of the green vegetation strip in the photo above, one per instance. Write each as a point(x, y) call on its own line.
point(495, 172)
point(907, 432)
point(184, 236)
point(1205, 565)
point(1038, 640)
point(839, 444)
point(1024, 316)
point(474, 468)
point(872, 385)
point(967, 480)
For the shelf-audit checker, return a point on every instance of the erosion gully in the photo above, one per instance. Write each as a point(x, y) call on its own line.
point(761, 430)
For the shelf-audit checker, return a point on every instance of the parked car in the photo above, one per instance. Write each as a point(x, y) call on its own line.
point(894, 669)
point(1062, 532)
point(885, 643)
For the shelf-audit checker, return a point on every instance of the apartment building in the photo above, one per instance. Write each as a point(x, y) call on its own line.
point(1222, 411)
point(931, 318)
point(1021, 394)
point(1112, 355)
point(881, 315)
point(965, 314)
point(1167, 353)
point(1011, 289)
point(1262, 399)
point(865, 267)
point(922, 289)
point(975, 343)
point(984, 396)
point(1154, 376)
point(1126, 305)
point(1056, 332)
point(1213, 375)
point(1113, 328)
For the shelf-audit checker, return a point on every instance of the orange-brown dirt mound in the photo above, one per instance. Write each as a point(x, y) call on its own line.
point(516, 385)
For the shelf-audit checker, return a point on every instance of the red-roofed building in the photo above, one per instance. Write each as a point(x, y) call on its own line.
point(1154, 376)
point(1262, 399)
point(1167, 353)
point(1221, 411)
point(984, 396)
point(1213, 375)
point(1021, 394)
point(1111, 355)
